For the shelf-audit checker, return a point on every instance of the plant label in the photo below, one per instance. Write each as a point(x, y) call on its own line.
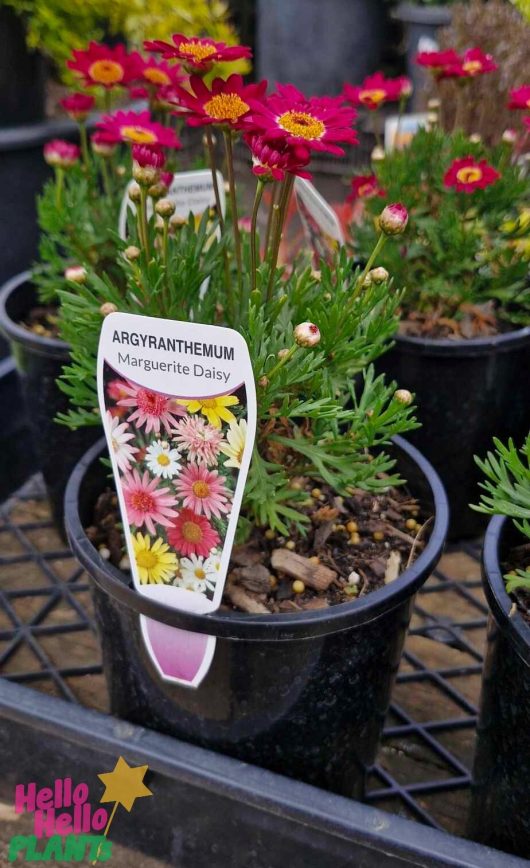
point(178, 403)
point(399, 131)
point(321, 225)
point(191, 192)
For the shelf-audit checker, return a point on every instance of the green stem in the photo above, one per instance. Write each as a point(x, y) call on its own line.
point(106, 177)
point(254, 255)
point(381, 241)
point(213, 168)
point(165, 260)
point(59, 183)
point(227, 134)
point(277, 232)
point(274, 195)
point(84, 143)
point(107, 100)
point(281, 362)
point(143, 220)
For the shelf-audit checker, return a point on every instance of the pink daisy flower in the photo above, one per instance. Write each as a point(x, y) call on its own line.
point(119, 437)
point(203, 490)
point(146, 503)
point(201, 440)
point(152, 409)
point(197, 55)
point(137, 128)
point(192, 534)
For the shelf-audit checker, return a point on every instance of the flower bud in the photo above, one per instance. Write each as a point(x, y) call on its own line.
point(403, 396)
point(165, 207)
point(434, 104)
point(61, 154)
point(121, 171)
point(263, 382)
point(159, 223)
point(316, 274)
point(132, 253)
point(76, 273)
point(307, 334)
point(509, 136)
point(476, 138)
point(177, 222)
point(157, 191)
point(145, 176)
point(378, 154)
point(393, 219)
point(377, 276)
point(282, 353)
point(101, 146)
point(135, 193)
point(107, 307)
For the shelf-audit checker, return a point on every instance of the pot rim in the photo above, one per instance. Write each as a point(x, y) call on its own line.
point(498, 598)
point(414, 13)
point(501, 343)
point(273, 627)
point(15, 333)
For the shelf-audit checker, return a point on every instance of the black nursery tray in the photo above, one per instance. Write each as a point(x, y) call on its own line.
point(212, 811)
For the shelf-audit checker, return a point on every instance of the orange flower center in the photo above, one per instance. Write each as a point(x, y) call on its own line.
point(156, 76)
point(147, 560)
point(226, 106)
point(191, 532)
point(139, 135)
point(196, 50)
point(374, 96)
point(142, 501)
point(469, 174)
point(302, 124)
point(200, 488)
point(106, 71)
point(366, 189)
point(472, 66)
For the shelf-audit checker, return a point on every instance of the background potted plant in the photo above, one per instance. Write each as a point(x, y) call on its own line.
point(288, 659)
point(464, 332)
point(501, 761)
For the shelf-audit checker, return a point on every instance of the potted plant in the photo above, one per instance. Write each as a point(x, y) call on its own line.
point(289, 659)
point(464, 319)
point(500, 772)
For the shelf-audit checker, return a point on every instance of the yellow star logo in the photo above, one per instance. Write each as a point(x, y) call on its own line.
point(124, 784)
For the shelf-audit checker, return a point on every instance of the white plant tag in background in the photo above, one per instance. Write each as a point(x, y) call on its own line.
point(178, 403)
point(321, 225)
point(191, 192)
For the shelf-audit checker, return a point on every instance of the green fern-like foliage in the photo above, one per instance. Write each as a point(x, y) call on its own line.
point(506, 491)
point(460, 248)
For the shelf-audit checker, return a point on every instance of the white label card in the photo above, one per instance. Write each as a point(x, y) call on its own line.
point(321, 225)
point(191, 192)
point(178, 402)
point(399, 132)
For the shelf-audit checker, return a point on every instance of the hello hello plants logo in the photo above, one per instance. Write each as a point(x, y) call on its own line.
point(67, 826)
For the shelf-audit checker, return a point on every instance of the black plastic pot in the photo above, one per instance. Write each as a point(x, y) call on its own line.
point(22, 73)
point(501, 773)
point(39, 362)
point(421, 25)
point(466, 392)
point(303, 694)
point(17, 453)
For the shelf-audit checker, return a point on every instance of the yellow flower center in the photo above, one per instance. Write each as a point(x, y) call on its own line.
point(472, 66)
point(365, 189)
point(199, 574)
point(156, 76)
point(196, 50)
point(469, 174)
point(106, 71)
point(139, 135)
point(147, 559)
point(226, 106)
point(372, 96)
point(302, 124)
point(163, 459)
point(200, 488)
point(191, 532)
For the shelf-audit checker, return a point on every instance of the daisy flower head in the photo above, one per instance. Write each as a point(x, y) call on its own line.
point(215, 409)
point(137, 128)
point(201, 440)
point(203, 491)
point(520, 98)
point(120, 435)
point(155, 563)
point(192, 534)
point(152, 409)
point(197, 574)
point(162, 460)
point(101, 146)
point(365, 187)
point(153, 73)
point(78, 105)
point(317, 122)
point(61, 154)
point(474, 62)
point(197, 55)
point(272, 160)
point(117, 389)
point(103, 65)
point(377, 90)
point(438, 61)
point(146, 503)
point(468, 174)
point(224, 103)
point(235, 443)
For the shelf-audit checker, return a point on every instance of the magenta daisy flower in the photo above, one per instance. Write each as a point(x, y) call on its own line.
point(197, 55)
point(272, 160)
point(103, 65)
point(152, 409)
point(203, 491)
point(201, 440)
point(520, 98)
point(225, 103)
point(137, 128)
point(317, 122)
point(192, 534)
point(146, 503)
